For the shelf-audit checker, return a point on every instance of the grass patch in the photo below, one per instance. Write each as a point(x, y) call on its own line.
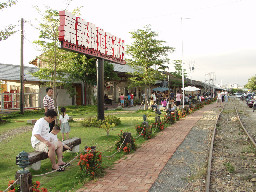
point(229, 167)
point(90, 136)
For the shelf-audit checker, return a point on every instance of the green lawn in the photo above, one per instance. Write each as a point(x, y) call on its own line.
point(69, 179)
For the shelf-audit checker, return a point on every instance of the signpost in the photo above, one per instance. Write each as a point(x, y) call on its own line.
point(78, 35)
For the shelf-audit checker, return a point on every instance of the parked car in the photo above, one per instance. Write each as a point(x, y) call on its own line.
point(250, 103)
point(238, 95)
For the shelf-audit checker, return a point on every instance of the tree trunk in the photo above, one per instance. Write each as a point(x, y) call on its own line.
point(146, 98)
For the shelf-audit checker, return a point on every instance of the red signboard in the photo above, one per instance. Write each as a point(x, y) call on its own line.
point(84, 37)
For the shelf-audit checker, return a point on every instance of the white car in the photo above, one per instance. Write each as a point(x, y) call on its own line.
point(238, 95)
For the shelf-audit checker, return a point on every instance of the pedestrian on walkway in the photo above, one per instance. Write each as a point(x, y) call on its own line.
point(132, 96)
point(219, 99)
point(226, 96)
point(178, 98)
point(48, 103)
point(122, 100)
point(129, 99)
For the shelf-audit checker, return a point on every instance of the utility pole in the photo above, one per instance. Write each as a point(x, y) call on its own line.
point(21, 70)
point(182, 67)
point(55, 63)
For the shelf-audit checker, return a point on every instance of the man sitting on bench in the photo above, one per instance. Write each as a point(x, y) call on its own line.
point(40, 140)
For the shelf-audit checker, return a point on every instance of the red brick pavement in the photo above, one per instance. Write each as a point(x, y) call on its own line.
point(138, 171)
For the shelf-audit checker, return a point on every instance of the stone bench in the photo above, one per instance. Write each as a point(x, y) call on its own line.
point(36, 156)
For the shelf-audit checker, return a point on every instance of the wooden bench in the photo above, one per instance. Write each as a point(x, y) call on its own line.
point(36, 156)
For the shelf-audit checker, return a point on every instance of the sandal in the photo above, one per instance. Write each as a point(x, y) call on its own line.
point(60, 169)
point(64, 165)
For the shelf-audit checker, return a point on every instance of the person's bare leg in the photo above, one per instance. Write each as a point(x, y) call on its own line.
point(67, 135)
point(59, 152)
point(62, 136)
point(52, 156)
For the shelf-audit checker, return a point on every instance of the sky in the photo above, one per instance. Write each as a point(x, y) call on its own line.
point(218, 36)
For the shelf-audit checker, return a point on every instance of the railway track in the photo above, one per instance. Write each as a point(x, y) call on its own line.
point(232, 163)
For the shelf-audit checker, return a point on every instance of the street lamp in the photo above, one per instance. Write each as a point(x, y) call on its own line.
point(182, 70)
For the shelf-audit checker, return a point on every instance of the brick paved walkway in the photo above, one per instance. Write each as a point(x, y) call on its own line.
point(138, 171)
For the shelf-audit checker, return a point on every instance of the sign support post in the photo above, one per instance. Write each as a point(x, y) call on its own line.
point(80, 36)
point(100, 88)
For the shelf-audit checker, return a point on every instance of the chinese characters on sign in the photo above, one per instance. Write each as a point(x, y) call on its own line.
point(84, 37)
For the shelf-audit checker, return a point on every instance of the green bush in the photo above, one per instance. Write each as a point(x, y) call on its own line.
point(94, 122)
point(113, 119)
point(91, 122)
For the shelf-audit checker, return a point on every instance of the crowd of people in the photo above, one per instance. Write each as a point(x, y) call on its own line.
point(222, 96)
point(164, 100)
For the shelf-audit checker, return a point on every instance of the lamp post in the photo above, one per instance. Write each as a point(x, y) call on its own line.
point(182, 70)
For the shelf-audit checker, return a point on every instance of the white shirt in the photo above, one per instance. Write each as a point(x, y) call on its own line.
point(41, 128)
point(65, 119)
point(53, 138)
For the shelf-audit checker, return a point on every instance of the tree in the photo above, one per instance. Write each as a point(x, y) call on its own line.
point(251, 83)
point(149, 57)
point(9, 30)
point(178, 69)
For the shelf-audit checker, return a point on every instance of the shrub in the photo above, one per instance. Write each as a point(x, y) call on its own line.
point(94, 122)
point(113, 119)
point(125, 147)
point(159, 126)
point(107, 126)
point(91, 122)
point(90, 163)
point(145, 130)
point(16, 188)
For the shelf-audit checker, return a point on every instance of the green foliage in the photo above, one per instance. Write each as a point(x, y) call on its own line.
point(94, 122)
point(251, 83)
point(8, 4)
point(8, 31)
point(8, 116)
point(113, 119)
point(229, 167)
point(146, 54)
point(91, 122)
point(178, 69)
point(107, 126)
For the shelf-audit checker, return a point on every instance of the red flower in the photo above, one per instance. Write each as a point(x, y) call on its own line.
point(44, 189)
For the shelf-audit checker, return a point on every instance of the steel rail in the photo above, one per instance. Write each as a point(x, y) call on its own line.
point(209, 167)
point(248, 135)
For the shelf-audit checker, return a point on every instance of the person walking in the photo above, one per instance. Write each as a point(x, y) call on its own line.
point(178, 98)
point(122, 100)
point(219, 99)
point(64, 125)
point(48, 103)
point(131, 99)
